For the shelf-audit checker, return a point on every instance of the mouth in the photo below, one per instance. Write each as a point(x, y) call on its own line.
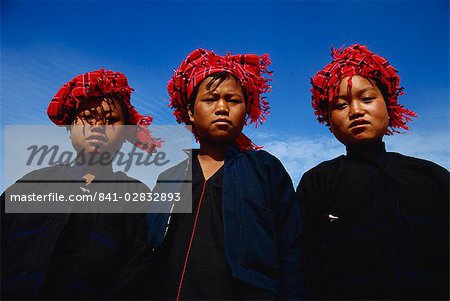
point(358, 123)
point(97, 139)
point(222, 121)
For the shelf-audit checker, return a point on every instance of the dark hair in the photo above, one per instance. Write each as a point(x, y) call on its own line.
point(126, 115)
point(325, 104)
point(110, 99)
point(215, 79)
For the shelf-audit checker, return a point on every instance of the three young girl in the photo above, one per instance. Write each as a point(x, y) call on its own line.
point(368, 224)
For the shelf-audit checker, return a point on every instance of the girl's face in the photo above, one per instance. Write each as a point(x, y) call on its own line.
point(98, 126)
point(218, 113)
point(359, 115)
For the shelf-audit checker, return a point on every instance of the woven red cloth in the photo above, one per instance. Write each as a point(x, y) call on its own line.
point(100, 83)
point(358, 60)
point(247, 68)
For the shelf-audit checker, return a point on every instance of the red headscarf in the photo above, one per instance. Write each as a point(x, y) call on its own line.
point(100, 83)
point(247, 68)
point(358, 60)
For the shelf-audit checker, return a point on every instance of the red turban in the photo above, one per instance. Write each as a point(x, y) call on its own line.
point(100, 83)
point(247, 68)
point(358, 60)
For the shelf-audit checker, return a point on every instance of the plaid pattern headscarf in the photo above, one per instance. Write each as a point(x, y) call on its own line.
point(101, 83)
point(247, 68)
point(358, 60)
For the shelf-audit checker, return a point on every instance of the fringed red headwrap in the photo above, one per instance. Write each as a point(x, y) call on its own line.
point(247, 68)
point(358, 60)
point(100, 83)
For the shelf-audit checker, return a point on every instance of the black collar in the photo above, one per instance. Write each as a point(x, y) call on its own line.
point(371, 152)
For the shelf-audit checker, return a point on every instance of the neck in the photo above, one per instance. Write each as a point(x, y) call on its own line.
point(366, 150)
point(95, 169)
point(211, 158)
point(213, 151)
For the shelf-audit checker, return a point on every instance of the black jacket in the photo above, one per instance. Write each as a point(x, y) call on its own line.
point(377, 228)
point(72, 256)
point(261, 215)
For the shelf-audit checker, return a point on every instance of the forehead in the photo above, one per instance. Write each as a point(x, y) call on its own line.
point(100, 104)
point(226, 81)
point(356, 83)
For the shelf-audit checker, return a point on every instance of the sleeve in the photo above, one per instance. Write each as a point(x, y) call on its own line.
point(442, 179)
point(175, 180)
point(6, 220)
point(290, 234)
point(309, 194)
point(131, 282)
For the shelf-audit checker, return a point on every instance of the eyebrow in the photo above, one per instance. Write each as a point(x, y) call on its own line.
point(108, 110)
point(213, 93)
point(362, 91)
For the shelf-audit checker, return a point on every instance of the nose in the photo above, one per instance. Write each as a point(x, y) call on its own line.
point(98, 125)
point(99, 116)
point(356, 109)
point(221, 107)
point(99, 121)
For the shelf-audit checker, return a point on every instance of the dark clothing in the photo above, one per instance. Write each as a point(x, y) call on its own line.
point(207, 275)
point(72, 256)
point(261, 229)
point(377, 227)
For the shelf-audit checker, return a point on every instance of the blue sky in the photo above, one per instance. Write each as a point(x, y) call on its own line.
point(46, 43)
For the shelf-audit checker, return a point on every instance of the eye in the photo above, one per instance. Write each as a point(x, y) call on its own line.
point(87, 117)
point(208, 100)
point(112, 118)
point(340, 105)
point(235, 100)
point(368, 99)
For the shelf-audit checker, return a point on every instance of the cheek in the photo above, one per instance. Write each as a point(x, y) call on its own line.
point(115, 133)
point(382, 115)
point(239, 113)
point(76, 137)
point(337, 120)
point(200, 112)
point(241, 117)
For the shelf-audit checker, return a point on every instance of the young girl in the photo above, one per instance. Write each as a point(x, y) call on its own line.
point(80, 255)
point(242, 239)
point(376, 222)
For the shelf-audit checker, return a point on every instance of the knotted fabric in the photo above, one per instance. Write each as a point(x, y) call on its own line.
point(358, 60)
point(247, 68)
point(101, 83)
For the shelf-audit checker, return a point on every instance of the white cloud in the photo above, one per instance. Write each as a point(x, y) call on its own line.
point(433, 146)
point(300, 153)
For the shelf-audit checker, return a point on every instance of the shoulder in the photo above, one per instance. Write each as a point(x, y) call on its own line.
point(263, 164)
point(120, 175)
point(320, 175)
point(326, 167)
point(261, 161)
point(416, 164)
point(40, 179)
point(124, 179)
point(262, 157)
point(175, 171)
point(45, 173)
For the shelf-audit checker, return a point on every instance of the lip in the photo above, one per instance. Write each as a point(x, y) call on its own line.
point(222, 121)
point(97, 139)
point(358, 122)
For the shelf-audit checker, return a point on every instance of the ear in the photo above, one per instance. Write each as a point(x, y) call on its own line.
point(191, 113)
point(329, 127)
